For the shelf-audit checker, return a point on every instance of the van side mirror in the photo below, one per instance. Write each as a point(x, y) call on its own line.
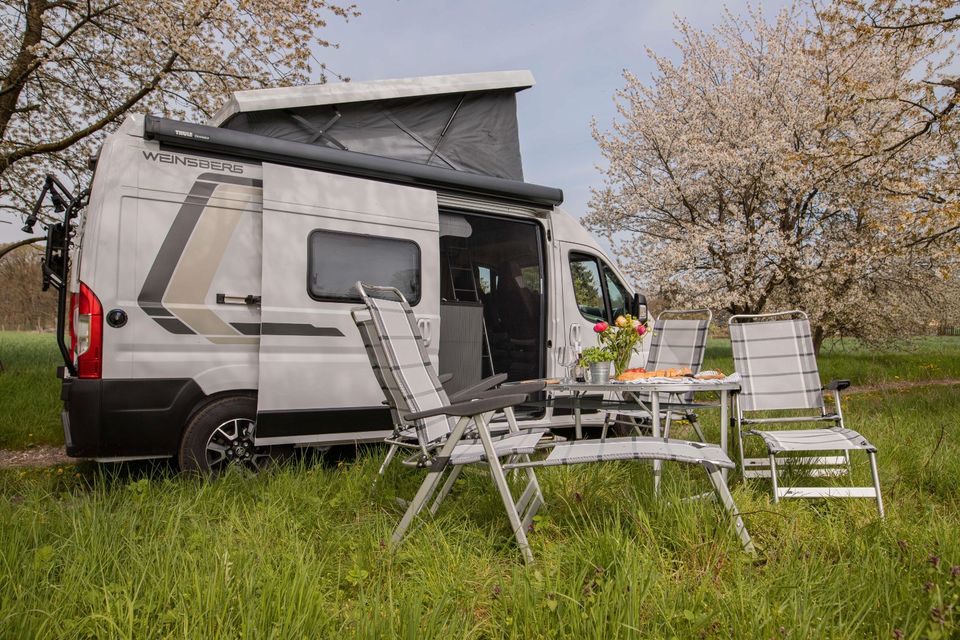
point(638, 309)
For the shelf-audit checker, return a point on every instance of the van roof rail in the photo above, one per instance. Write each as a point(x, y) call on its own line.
point(240, 144)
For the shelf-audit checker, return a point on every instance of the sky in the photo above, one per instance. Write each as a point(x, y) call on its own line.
point(577, 52)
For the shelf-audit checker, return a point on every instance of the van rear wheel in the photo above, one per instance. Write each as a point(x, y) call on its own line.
point(221, 435)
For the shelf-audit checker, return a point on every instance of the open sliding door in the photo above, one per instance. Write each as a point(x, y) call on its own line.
point(322, 233)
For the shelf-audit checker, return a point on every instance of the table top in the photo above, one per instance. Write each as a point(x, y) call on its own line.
point(648, 385)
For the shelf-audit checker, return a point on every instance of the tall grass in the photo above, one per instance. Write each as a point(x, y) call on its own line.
point(29, 390)
point(137, 552)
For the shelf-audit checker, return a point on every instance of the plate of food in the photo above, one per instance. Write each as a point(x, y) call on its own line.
point(631, 375)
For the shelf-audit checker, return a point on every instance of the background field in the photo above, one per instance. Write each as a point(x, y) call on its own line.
point(30, 392)
point(136, 551)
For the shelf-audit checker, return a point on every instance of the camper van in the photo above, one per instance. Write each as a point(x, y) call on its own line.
point(206, 278)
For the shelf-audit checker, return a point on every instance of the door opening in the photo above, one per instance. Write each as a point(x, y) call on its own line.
point(492, 303)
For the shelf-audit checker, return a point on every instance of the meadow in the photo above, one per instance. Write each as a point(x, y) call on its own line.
point(137, 551)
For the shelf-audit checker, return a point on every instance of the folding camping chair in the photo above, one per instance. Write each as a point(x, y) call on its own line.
point(773, 353)
point(679, 340)
point(404, 435)
point(393, 326)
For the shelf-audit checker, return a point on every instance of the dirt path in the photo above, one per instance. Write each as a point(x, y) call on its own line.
point(52, 456)
point(34, 457)
point(898, 385)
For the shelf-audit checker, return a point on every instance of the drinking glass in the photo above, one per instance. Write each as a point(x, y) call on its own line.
point(567, 357)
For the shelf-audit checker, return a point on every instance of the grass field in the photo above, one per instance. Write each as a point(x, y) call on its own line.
point(29, 390)
point(138, 552)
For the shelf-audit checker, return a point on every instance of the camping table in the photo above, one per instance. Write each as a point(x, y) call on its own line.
point(653, 388)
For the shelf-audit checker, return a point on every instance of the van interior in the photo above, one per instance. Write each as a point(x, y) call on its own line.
point(492, 307)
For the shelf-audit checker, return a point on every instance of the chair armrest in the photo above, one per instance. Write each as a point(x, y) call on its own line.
point(473, 408)
point(525, 388)
point(836, 385)
point(484, 385)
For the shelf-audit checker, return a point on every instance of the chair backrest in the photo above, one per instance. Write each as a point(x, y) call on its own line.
point(679, 339)
point(773, 353)
point(408, 364)
point(381, 371)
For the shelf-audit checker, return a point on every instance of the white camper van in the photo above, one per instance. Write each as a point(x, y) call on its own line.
point(206, 277)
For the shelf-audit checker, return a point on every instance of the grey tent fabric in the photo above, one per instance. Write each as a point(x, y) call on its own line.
point(471, 132)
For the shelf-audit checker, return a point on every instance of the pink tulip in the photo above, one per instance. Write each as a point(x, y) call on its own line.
point(600, 327)
point(641, 329)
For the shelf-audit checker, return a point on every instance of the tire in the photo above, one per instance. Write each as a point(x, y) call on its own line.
point(220, 435)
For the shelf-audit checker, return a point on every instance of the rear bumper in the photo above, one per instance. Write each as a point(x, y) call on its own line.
point(125, 418)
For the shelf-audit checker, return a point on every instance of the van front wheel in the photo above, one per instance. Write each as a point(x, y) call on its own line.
point(221, 435)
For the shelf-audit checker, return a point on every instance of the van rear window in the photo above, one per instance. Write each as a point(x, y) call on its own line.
point(337, 260)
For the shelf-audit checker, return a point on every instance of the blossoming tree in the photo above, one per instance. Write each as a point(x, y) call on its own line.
point(70, 70)
point(788, 163)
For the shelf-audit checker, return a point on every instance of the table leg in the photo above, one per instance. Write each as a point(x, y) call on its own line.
point(655, 418)
point(577, 422)
point(724, 426)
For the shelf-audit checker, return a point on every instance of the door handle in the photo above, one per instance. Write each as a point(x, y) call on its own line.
point(224, 298)
point(424, 325)
point(575, 335)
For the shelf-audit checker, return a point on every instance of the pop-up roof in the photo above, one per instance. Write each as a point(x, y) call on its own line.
point(465, 122)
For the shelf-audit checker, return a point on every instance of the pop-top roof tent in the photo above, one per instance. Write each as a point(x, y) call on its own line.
point(465, 122)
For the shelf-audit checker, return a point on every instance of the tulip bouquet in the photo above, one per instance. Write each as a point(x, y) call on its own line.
point(621, 339)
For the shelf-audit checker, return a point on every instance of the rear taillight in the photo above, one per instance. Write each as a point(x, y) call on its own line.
point(86, 332)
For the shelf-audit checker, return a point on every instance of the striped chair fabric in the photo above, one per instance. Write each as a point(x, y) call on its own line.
point(409, 365)
point(677, 343)
point(777, 366)
point(388, 384)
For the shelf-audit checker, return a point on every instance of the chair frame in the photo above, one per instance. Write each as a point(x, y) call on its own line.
point(474, 409)
point(682, 408)
point(820, 465)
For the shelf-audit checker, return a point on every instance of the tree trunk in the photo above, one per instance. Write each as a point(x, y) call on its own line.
point(818, 336)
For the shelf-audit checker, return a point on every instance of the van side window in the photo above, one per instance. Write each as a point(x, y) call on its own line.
point(336, 260)
point(616, 293)
point(586, 286)
point(486, 279)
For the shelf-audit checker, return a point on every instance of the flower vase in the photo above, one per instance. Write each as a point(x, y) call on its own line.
point(622, 362)
point(599, 372)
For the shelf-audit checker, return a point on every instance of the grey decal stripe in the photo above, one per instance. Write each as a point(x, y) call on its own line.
point(294, 329)
point(151, 295)
point(173, 325)
point(164, 265)
point(247, 328)
point(285, 329)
